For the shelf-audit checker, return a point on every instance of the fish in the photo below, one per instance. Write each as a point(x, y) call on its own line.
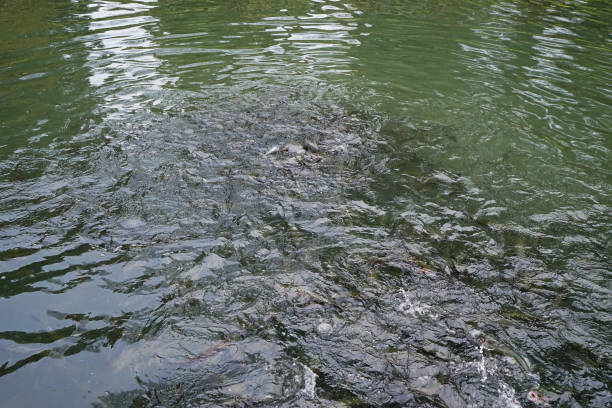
point(209, 352)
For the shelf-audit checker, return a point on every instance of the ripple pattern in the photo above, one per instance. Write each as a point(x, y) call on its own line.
point(319, 203)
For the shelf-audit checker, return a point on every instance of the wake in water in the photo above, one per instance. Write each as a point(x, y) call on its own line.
point(269, 253)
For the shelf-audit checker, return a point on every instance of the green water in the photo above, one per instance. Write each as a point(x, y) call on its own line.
point(305, 203)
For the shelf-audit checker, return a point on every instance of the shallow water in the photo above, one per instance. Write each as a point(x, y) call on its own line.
point(283, 203)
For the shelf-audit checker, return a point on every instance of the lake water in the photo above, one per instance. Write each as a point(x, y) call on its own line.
point(306, 203)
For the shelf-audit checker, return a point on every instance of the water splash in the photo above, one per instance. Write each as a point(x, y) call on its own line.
point(310, 380)
point(412, 307)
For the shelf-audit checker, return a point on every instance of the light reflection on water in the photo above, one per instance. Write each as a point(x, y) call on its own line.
point(121, 55)
point(305, 203)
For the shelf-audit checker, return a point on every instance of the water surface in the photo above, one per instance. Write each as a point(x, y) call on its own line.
point(294, 203)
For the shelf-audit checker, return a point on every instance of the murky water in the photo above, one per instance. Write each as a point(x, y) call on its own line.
point(305, 203)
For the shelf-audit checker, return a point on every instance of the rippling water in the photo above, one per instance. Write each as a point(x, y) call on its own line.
point(293, 203)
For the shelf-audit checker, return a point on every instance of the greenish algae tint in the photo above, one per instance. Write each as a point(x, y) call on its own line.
point(305, 203)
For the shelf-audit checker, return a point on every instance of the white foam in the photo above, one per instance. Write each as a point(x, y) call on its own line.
point(481, 364)
point(507, 396)
point(413, 308)
point(310, 380)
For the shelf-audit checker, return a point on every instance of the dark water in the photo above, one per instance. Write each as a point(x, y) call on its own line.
point(316, 204)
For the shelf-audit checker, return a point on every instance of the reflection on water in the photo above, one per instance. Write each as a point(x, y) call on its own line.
point(322, 203)
point(116, 38)
point(121, 58)
point(273, 45)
